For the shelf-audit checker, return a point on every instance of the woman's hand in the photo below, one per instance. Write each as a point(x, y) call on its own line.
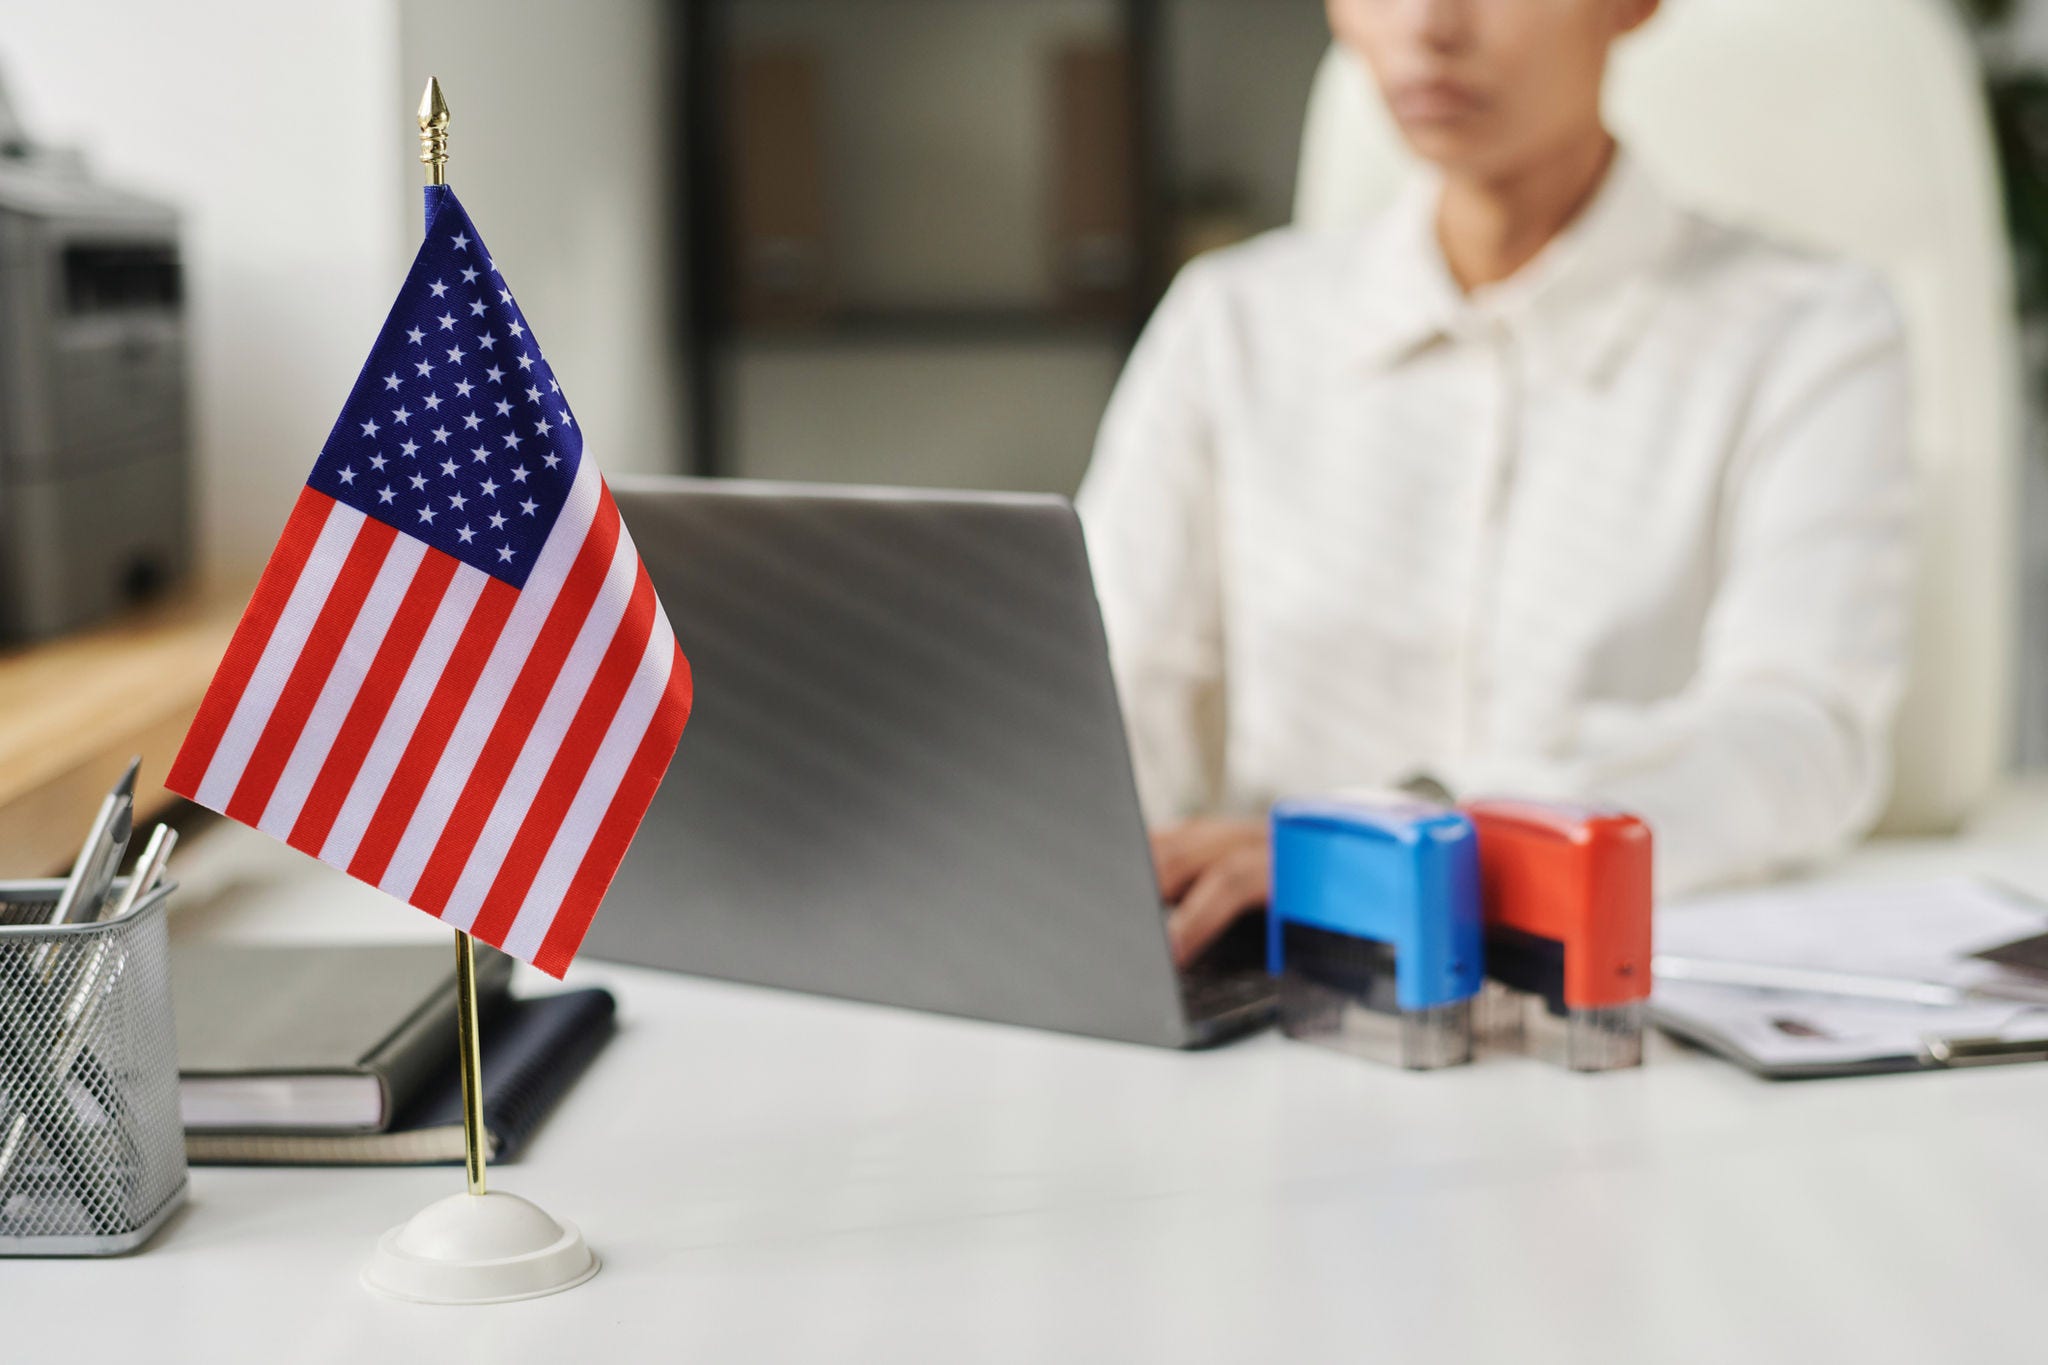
point(1210, 871)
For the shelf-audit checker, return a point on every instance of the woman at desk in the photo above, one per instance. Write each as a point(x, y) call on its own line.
point(1543, 485)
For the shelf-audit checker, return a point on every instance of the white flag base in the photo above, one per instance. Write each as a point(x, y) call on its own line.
point(479, 1248)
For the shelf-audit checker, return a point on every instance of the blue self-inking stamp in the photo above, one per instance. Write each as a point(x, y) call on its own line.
point(1374, 928)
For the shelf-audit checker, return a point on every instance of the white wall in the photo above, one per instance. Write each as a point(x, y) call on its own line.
point(561, 147)
point(1013, 414)
point(285, 132)
point(273, 127)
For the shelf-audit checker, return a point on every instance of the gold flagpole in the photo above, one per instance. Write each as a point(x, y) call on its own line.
point(434, 156)
point(471, 1061)
point(484, 1246)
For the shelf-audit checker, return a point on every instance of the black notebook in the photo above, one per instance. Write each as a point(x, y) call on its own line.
point(324, 1038)
point(533, 1051)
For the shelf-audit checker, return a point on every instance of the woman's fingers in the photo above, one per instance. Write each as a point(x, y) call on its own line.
point(1238, 881)
point(1176, 856)
point(1182, 853)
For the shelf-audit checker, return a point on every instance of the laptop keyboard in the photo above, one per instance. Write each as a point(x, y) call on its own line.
point(1231, 973)
point(1208, 994)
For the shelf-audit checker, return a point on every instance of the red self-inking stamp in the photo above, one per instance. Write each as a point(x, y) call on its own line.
point(1566, 891)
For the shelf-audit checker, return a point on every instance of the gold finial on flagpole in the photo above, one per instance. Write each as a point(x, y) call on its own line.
point(434, 156)
point(434, 133)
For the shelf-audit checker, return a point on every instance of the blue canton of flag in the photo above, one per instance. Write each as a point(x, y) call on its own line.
point(456, 432)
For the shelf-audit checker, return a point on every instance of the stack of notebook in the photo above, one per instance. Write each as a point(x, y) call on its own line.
point(335, 1055)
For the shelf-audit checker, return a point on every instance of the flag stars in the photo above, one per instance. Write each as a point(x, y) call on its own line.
point(482, 503)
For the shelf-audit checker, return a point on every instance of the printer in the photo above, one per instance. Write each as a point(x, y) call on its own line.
point(95, 474)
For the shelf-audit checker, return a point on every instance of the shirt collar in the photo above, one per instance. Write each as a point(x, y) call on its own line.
point(1575, 307)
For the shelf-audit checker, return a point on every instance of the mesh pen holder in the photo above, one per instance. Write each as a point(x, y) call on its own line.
point(92, 1152)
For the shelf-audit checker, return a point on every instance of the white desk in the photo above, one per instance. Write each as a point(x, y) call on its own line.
point(769, 1177)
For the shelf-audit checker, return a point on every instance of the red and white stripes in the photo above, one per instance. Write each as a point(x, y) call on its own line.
point(482, 752)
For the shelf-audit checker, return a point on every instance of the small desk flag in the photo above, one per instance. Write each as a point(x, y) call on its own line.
point(454, 681)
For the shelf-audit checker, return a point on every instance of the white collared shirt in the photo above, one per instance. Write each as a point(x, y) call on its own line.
point(1633, 527)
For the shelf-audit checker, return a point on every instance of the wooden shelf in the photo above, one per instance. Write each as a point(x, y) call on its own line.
point(73, 711)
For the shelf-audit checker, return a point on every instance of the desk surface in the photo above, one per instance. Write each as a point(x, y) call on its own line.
point(770, 1177)
point(72, 712)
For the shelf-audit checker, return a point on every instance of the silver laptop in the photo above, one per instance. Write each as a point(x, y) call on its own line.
point(905, 779)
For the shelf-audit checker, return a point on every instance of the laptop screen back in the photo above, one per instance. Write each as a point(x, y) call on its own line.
point(905, 778)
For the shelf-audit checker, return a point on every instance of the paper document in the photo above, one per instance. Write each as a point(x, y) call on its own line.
point(1919, 932)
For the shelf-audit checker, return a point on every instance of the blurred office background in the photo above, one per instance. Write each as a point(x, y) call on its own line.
point(861, 240)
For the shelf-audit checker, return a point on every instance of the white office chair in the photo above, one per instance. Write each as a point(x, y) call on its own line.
point(1858, 126)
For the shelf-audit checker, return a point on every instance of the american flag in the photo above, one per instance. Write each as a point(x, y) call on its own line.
point(454, 681)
